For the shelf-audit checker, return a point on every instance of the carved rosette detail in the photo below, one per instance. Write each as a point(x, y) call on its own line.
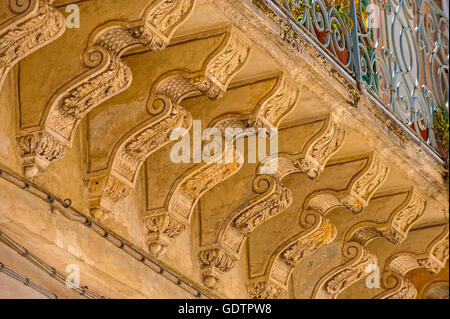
point(250, 217)
point(133, 153)
point(320, 151)
point(161, 228)
point(303, 247)
point(160, 22)
point(37, 150)
point(265, 290)
point(214, 259)
point(39, 25)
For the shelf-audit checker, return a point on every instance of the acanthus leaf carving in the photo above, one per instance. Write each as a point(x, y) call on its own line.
point(366, 185)
point(334, 283)
point(323, 235)
point(224, 66)
point(108, 78)
point(37, 150)
point(213, 259)
point(104, 191)
point(320, 150)
point(107, 75)
point(159, 23)
point(133, 152)
point(265, 290)
point(270, 112)
point(396, 228)
point(37, 25)
point(160, 229)
point(169, 91)
point(291, 252)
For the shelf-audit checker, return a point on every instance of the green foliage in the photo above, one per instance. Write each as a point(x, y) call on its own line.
point(441, 126)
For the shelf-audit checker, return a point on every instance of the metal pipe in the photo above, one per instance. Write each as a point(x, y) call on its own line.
point(51, 271)
point(66, 209)
point(26, 281)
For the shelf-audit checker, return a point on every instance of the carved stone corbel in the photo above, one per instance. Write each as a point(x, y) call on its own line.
point(193, 184)
point(437, 254)
point(164, 102)
point(273, 198)
point(394, 230)
point(320, 204)
point(107, 75)
point(274, 283)
point(37, 24)
point(346, 275)
point(397, 227)
point(396, 285)
point(316, 153)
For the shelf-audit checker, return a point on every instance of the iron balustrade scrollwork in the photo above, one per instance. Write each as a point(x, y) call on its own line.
point(403, 53)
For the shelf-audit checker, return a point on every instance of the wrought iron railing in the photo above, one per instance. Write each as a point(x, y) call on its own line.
point(402, 58)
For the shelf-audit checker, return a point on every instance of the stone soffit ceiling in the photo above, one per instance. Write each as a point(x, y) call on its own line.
point(346, 193)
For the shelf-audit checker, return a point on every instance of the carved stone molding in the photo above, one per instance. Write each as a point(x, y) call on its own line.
point(346, 275)
point(358, 193)
point(367, 183)
point(37, 150)
point(160, 230)
point(288, 255)
point(269, 111)
point(104, 191)
point(213, 260)
point(164, 102)
point(107, 75)
point(37, 24)
point(265, 290)
point(216, 74)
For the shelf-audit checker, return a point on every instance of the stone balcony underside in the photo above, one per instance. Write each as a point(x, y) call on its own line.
point(88, 116)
